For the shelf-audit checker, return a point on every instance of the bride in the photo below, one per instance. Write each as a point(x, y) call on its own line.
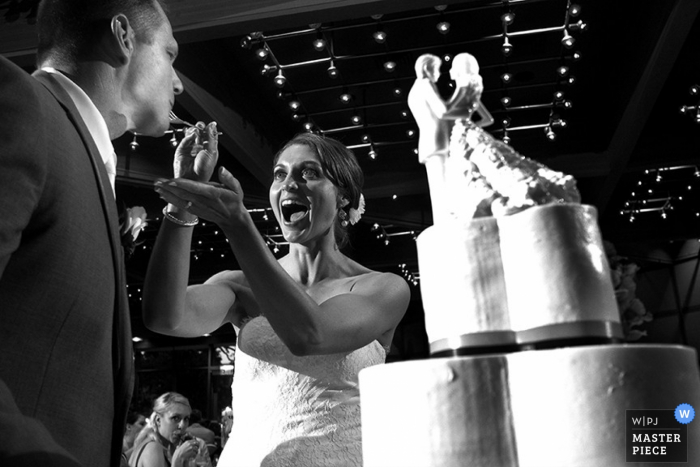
point(306, 324)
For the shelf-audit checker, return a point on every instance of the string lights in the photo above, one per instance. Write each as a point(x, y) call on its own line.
point(382, 234)
point(563, 76)
point(693, 110)
point(379, 34)
point(411, 277)
point(304, 100)
point(507, 19)
point(657, 191)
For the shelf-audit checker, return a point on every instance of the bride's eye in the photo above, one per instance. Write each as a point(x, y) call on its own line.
point(309, 173)
point(279, 175)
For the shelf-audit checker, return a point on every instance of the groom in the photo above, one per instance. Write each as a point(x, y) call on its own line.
point(66, 364)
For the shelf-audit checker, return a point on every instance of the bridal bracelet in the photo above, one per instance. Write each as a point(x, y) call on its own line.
point(177, 221)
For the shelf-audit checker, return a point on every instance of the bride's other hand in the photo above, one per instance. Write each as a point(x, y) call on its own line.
point(221, 203)
point(197, 153)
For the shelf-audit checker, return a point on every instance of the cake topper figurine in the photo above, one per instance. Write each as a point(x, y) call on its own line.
point(435, 119)
point(470, 173)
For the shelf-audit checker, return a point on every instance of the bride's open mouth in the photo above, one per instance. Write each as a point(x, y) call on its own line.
point(293, 211)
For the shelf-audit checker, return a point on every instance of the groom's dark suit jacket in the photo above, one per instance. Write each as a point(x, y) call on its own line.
point(65, 337)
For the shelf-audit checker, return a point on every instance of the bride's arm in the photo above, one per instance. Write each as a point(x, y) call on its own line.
point(373, 306)
point(169, 305)
point(486, 117)
point(172, 307)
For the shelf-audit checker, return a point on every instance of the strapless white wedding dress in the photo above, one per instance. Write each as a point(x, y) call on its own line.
point(294, 411)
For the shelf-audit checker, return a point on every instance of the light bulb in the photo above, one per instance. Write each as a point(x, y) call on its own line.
point(506, 48)
point(443, 27)
point(508, 18)
point(280, 80)
point(379, 37)
point(551, 136)
point(267, 69)
point(567, 41)
point(262, 53)
point(319, 44)
point(332, 71)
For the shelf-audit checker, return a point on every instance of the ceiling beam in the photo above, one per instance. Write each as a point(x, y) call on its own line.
point(213, 19)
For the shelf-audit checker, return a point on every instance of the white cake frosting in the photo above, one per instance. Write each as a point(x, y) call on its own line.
point(543, 408)
point(540, 274)
point(463, 286)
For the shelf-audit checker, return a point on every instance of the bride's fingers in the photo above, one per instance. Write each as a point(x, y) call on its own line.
point(229, 180)
point(188, 141)
point(212, 143)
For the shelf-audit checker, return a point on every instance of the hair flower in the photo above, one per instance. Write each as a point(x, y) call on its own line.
point(356, 214)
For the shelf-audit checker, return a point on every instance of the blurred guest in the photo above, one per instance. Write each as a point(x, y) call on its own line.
point(134, 424)
point(165, 441)
point(196, 429)
point(105, 68)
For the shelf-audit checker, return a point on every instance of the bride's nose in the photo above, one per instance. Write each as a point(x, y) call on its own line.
point(290, 184)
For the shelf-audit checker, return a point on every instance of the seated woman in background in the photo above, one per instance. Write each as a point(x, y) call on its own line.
point(134, 424)
point(163, 442)
point(306, 323)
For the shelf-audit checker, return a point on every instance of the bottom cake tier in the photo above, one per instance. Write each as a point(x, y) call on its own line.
point(543, 408)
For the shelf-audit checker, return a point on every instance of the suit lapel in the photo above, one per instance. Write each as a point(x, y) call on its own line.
point(122, 357)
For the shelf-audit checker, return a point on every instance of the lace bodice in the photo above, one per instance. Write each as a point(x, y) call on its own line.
point(294, 411)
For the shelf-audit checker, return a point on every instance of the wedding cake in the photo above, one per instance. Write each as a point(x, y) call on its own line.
point(521, 317)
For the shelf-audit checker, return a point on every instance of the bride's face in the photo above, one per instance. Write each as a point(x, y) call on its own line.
point(303, 198)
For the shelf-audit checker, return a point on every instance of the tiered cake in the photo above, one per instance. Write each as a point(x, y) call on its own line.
point(521, 318)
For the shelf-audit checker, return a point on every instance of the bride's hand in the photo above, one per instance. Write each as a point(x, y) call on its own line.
point(197, 153)
point(221, 203)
